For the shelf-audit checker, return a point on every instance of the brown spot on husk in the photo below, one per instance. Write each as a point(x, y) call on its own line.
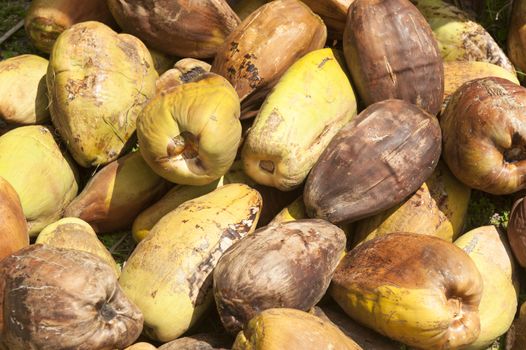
point(200, 282)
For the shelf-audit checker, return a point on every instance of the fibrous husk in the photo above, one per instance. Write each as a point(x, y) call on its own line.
point(420, 290)
point(374, 162)
point(59, 299)
point(392, 54)
point(169, 274)
point(74, 233)
point(457, 73)
point(285, 265)
point(459, 37)
point(289, 132)
point(23, 98)
point(47, 19)
point(277, 329)
point(490, 252)
point(206, 341)
point(363, 336)
point(183, 28)
point(438, 208)
point(41, 174)
point(190, 133)
point(257, 53)
point(484, 135)
point(13, 229)
point(516, 43)
point(98, 82)
point(273, 200)
point(112, 198)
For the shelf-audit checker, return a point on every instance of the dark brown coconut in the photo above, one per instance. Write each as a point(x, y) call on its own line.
point(54, 299)
point(516, 337)
point(288, 265)
point(484, 135)
point(373, 163)
point(517, 231)
point(392, 53)
point(183, 28)
point(204, 341)
point(257, 53)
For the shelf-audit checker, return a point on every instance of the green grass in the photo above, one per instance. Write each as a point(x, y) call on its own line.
point(11, 12)
point(120, 244)
point(496, 18)
point(485, 209)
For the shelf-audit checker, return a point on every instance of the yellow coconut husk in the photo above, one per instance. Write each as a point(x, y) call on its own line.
point(190, 134)
point(23, 98)
point(74, 233)
point(277, 329)
point(168, 276)
point(13, 232)
point(41, 174)
point(459, 37)
point(492, 255)
point(273, 200)
point(115, 195)
point(287, 138)
point(98, 82)
point(438, 208)
point(420, 290)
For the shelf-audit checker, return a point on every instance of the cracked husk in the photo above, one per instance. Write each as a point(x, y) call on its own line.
point(98, 82)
